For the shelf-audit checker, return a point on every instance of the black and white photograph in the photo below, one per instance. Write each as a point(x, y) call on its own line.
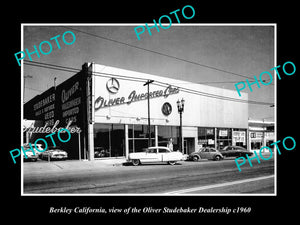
point(144, 117)
point(143, 109)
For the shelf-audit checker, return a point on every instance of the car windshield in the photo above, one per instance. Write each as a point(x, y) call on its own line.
point(151, 150)
point(163, 150)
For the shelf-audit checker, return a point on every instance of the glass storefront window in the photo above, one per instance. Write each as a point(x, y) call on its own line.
point(168, 136)
point(239, 137)
point(206, 137)
point(140, 131)
point(256, 145)
point(138, 137)
point(117, 140)
point(224, 137)
point(109, 140)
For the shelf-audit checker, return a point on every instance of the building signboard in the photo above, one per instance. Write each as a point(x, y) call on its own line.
point(239, 136)
point(223, 133)
point(134, 96)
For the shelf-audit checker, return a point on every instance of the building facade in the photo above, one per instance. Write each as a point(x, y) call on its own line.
point(261, 133)
point(109, 106)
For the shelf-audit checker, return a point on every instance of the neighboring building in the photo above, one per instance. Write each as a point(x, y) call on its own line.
point(261, 133)
point(109, 107)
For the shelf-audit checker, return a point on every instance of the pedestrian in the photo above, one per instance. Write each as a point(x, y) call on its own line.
point(170, 144)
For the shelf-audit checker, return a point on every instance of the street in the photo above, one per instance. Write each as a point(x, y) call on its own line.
point(202, 177)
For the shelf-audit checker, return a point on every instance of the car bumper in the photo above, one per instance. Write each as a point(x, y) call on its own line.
point(58, 157)
point(30, 158)
point(189, 157)
point(185, 157)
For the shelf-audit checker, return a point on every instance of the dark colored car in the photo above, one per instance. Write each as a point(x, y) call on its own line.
point(206, 153)
point(235, 151)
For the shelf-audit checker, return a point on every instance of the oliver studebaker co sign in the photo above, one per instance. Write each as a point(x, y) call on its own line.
point(101, 102)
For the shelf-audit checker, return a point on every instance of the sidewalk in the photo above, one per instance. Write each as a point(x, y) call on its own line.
point(70, 165)
point(263, 152)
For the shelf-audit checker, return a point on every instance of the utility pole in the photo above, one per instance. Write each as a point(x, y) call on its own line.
point(148, 98)
point(25, 77)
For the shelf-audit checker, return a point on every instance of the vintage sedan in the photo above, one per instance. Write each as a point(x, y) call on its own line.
point(235, 151)
point(206, 153)
point(154, 155)
point(30, 156)
point(33, 153)
point(54, 154)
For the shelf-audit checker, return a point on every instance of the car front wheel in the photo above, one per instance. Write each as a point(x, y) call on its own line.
point(195, 158)
point(172, 162)
point(218, 158)
point(135, 162)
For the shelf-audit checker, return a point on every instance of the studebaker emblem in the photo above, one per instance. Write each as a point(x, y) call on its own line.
point(166, 109)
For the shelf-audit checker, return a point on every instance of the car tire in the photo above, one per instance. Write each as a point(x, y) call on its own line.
point(172, 163)
point(249, 154)
point(195, 158)
point(136, 162)
point(241, 155)
point(217, 158)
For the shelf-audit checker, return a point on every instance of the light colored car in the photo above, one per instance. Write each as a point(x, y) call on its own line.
point(53, 154)
point(154, 155)
point(206, 153)
point(30, 156)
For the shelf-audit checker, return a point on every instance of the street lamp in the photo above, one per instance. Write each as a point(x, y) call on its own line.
point(180, 107)
point(148, 98)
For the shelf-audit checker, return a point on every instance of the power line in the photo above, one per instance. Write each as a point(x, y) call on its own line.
point(191, 91)
point(51, 66)
point(216, 82)
point(158, 83)
point(159, 53)
point(34, 89)
point(74, 70)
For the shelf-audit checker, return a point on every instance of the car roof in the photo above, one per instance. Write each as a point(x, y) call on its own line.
point(235, 146)
point(240, 147)
point(164, 147)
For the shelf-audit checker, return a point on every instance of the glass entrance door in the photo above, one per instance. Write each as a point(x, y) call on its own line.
point(188, 145)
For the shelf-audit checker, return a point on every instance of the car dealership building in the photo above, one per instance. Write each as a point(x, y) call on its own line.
point(106, 110)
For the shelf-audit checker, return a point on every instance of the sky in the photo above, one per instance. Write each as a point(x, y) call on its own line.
point(245, 50)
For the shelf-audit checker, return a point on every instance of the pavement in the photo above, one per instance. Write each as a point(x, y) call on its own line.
point(110, 177)
point(71, 165)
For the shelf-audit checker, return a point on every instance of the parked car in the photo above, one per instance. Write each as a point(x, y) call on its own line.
point(54, 153)
point(154, 155)
point(101, 152)
point(30, 156)
point(235, 151)
point(206, 153)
